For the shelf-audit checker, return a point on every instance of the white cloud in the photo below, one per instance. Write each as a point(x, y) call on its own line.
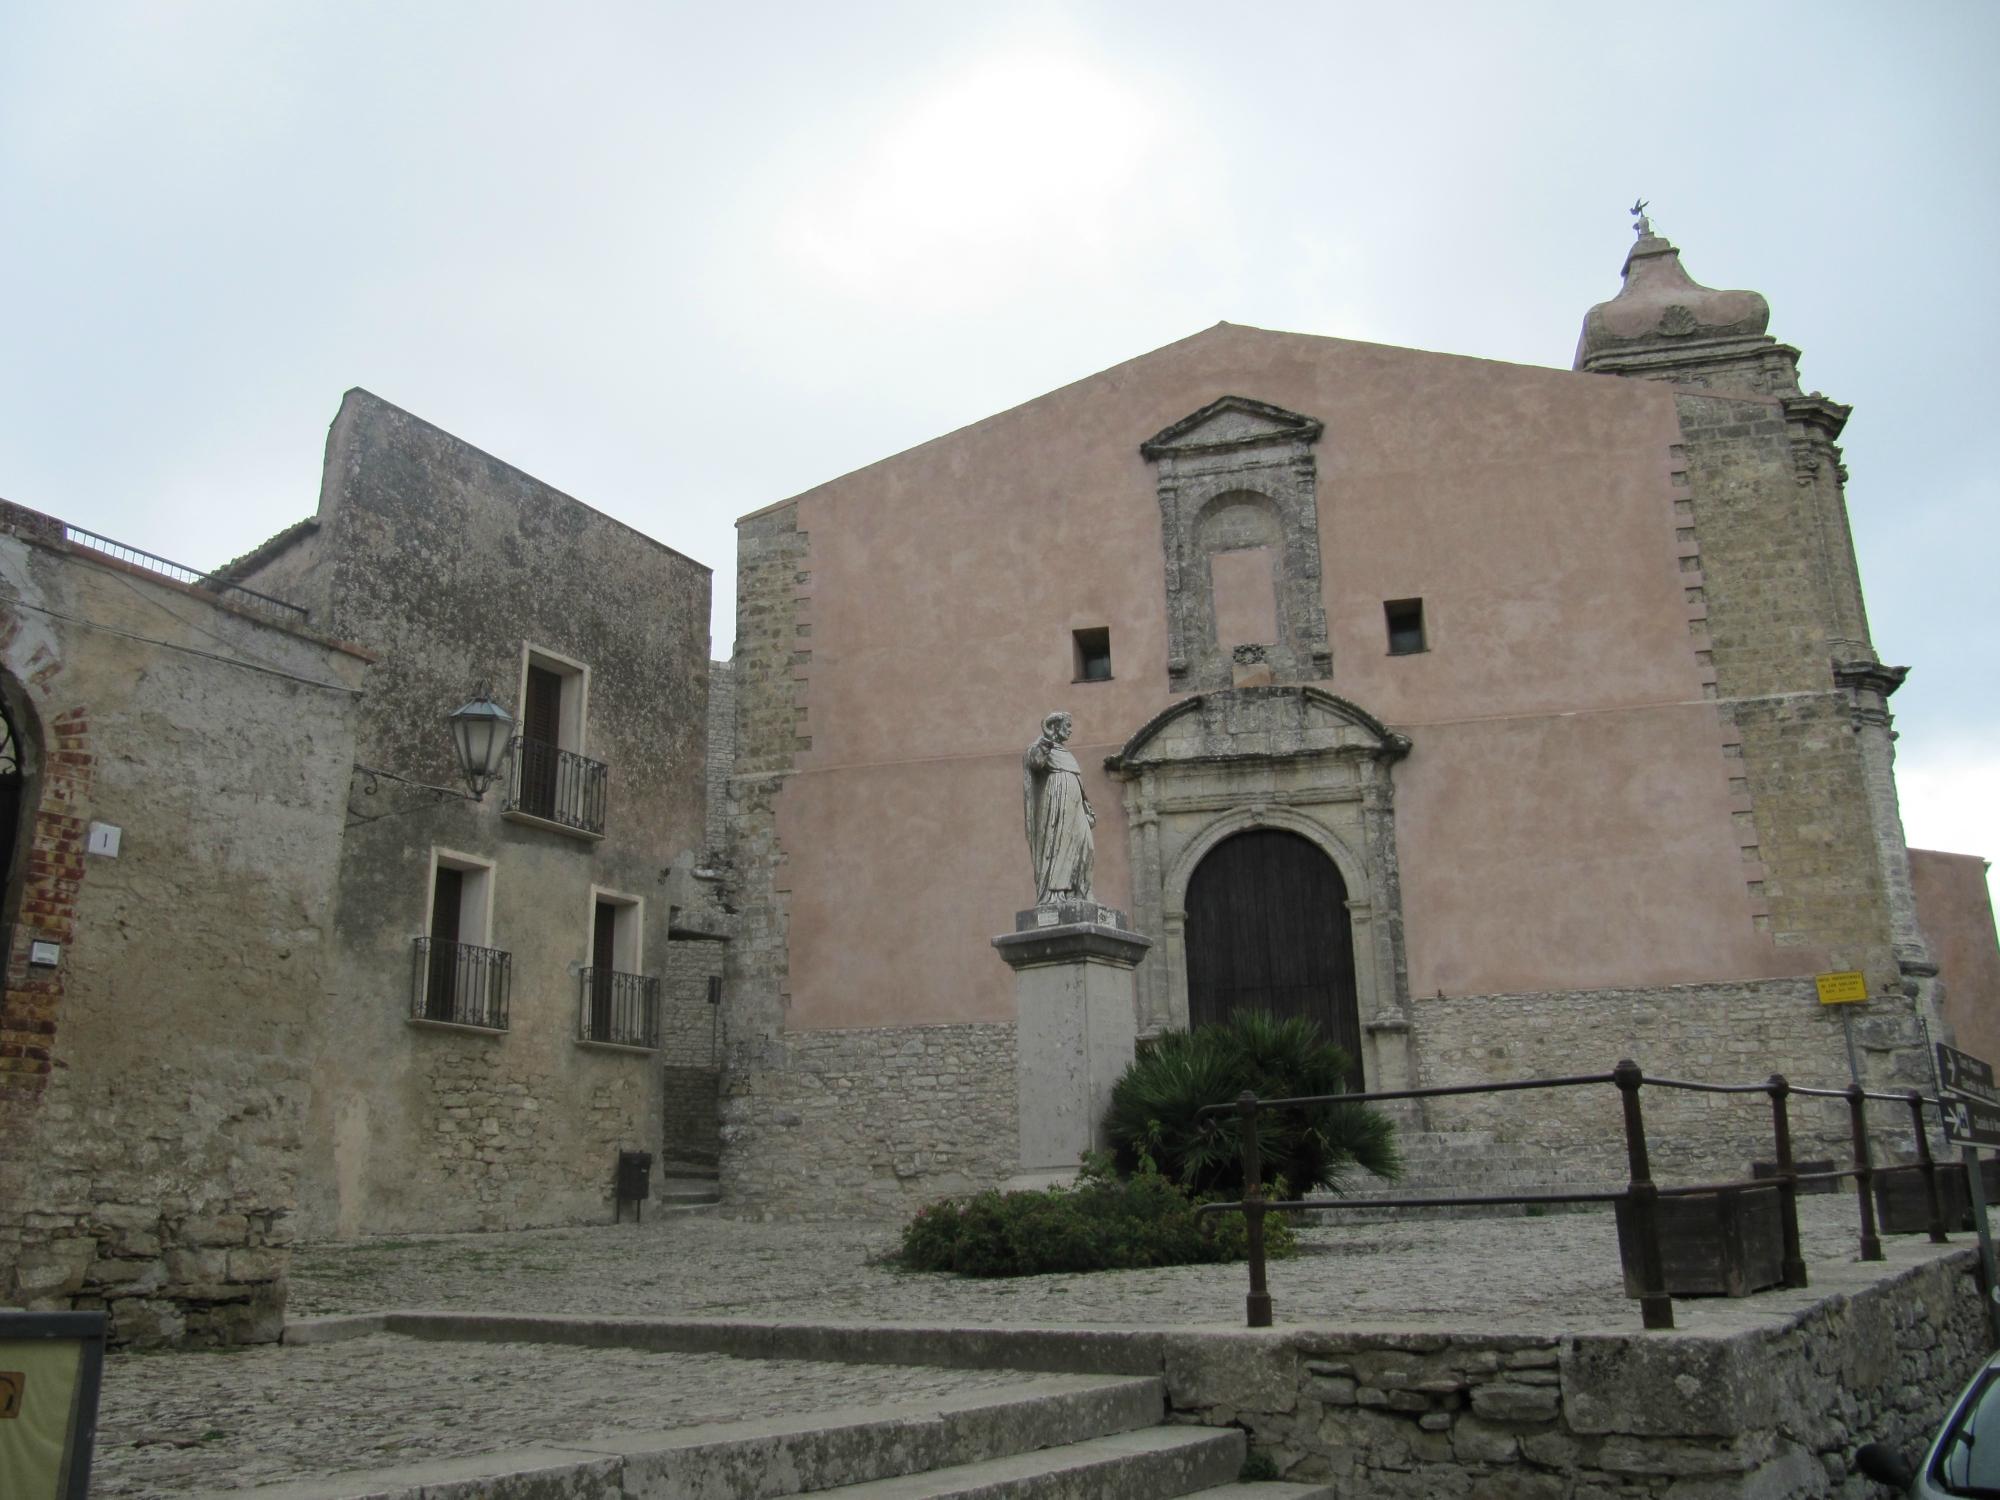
point(1951, 800)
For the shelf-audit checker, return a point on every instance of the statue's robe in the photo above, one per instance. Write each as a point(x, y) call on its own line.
point(1058, 817)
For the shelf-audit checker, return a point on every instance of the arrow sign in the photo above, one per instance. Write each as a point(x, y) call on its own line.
point(1968, 1122)
point(1965, 1075)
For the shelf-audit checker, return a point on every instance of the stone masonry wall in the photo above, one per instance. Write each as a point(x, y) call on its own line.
point(834, 1124)
point(152, 1081)
point(1778, 599)
point(1703, 1033)
point(1774, 1411)
point(772, 654)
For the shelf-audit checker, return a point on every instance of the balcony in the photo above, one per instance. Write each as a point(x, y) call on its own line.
point(461, 984)
point(619, 1010)
point(560, 787)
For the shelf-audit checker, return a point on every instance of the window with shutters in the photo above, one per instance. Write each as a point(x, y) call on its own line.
point(552, 780)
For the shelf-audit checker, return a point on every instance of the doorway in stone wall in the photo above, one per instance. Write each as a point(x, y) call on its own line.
point(1268, 929)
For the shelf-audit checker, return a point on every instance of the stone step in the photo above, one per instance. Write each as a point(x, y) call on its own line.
point(846, 1452)
point(1152, 1463)
point(1265, 1489)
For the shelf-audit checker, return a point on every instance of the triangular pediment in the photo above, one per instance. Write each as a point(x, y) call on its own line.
point(1232, 422)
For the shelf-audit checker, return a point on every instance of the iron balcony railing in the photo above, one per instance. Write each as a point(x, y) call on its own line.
point(623, 1009)
point(235, 593)
point(558, 785)
point(461, 983)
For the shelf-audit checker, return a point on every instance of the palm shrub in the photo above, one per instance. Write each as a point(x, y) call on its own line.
point(1156, 1108)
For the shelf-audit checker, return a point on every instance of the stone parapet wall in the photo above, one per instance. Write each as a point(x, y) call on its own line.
point(1777, 1409)
point(870, 1122)
point(1740, 1033)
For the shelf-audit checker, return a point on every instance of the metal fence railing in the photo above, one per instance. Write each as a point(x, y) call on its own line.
point(461, 983)
point(235, 593)
point(1640, 1197)
point(545, 781)
point(621, 1009)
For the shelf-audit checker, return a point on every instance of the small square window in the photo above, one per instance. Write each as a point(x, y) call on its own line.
point(1093, 654)
point(1406, 626)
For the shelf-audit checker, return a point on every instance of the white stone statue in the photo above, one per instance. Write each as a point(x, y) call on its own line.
point(1059, 816)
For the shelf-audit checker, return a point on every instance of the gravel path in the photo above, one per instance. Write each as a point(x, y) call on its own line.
point(189, 1423)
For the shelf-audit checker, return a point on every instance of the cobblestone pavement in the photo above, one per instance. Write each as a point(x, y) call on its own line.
point(186, 1423)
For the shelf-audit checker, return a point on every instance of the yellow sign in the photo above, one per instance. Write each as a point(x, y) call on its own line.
point(1841, 989)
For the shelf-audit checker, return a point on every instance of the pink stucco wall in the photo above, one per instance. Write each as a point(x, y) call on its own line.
point(1562, 822)
point(1955, 911)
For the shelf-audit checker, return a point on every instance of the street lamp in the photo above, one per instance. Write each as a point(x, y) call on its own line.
point(482, 734)
point(482, 737)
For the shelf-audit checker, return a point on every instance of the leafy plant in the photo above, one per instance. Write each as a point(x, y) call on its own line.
point(1102, 1223)
point(1156, 1108)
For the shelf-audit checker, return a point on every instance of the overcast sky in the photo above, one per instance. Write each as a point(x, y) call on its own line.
point(683, 261)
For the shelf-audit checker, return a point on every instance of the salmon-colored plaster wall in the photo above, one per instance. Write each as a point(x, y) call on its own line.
point(1955, 911)
point(1562, 821)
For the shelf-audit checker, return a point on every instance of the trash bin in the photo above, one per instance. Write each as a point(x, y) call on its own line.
point(634, 1183)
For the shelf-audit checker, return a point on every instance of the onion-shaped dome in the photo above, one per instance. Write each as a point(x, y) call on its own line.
point(1661, 307)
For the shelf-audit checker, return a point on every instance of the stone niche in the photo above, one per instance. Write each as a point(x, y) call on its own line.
point(1297, 759)
point(1239, 520)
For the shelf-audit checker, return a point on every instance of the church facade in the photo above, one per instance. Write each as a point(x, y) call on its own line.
point(1509, 721)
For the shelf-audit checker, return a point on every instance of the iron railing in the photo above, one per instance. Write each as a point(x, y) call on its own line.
point(1640, 1196)
point(622, 1009)
point(235, 593)
point(461, 983)
point(557, 785)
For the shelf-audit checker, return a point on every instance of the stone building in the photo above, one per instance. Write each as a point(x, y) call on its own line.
point(173, 765)
point(1508, 720)
point(512, 975)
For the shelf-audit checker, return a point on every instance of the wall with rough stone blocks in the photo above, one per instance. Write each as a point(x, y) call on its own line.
point(835, 1124)
point(1703, 1033)
point(448, 564)
point(153, 1085)
point(1775, 597)
point(1774, 1411)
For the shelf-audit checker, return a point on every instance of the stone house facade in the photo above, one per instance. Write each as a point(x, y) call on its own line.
point(1554, 688)
point(173, 763)
point(511, 976)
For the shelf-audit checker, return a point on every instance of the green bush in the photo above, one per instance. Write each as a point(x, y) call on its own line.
point(1101, 1224)
point(1156, 1108)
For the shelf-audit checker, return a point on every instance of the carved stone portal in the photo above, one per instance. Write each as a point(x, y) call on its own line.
point(1292, 758)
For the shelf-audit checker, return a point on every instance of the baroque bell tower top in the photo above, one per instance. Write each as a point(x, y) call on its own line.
point(1665, 325)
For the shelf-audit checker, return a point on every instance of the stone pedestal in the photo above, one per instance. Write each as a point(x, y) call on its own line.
point(1074, 997)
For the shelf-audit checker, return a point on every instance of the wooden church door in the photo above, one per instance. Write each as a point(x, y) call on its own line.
point(1267, 929)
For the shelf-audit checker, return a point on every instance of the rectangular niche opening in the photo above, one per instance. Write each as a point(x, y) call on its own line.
point(1406, 626)
point(1091, 652)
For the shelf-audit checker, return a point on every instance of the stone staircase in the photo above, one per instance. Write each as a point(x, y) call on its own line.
point(1048, 1437)
point(686, 1187)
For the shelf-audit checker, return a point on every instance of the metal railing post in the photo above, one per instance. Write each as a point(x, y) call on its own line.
point(1788, 1181)
point(1256, 1306)
point(1929, 1168)
point(1656, 1308)
point(1864, 1171)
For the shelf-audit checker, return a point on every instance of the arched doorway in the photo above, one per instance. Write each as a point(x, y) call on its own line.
point(14, 751)
point(1267, 929)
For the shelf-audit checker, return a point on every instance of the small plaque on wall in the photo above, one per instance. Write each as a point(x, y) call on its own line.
point(43, 954)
